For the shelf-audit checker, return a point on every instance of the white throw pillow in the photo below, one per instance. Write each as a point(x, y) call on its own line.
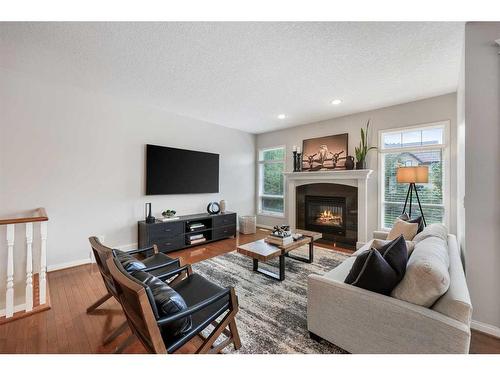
point(400, 227)
point(427, 277)
point(433, 230)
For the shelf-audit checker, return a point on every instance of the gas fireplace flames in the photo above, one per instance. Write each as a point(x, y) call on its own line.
point(329, 217)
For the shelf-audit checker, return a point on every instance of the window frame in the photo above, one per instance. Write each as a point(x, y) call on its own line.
point(260, 181)
point(445, 147)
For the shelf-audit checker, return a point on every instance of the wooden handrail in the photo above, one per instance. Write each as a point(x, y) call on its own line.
point(32, 216)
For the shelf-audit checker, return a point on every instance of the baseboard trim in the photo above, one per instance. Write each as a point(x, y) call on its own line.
point(485, 328)
point(74, 263)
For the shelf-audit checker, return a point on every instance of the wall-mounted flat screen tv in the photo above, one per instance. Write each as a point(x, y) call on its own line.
point(176, 171)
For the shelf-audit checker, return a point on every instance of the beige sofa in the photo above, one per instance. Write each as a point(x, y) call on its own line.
point(361, 321)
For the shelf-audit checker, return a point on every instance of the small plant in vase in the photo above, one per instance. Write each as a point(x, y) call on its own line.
point(168, 214)
point(363, 148)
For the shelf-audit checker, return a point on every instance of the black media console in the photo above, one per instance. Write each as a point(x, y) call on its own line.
point(175, 234)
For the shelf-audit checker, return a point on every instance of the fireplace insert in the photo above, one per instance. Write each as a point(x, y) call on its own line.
point(325, 214)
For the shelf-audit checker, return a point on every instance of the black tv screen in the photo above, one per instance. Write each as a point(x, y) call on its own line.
point(176, 171)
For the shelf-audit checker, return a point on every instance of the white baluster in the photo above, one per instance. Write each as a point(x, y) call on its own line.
point(29, 266)
point(9, 297)
point(43, 263)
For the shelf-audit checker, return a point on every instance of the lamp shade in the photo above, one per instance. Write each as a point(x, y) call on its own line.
point(413, 175)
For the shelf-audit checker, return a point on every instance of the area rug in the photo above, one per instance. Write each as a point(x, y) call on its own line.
point(272, 317)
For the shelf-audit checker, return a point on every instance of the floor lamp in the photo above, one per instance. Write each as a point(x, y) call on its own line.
point(412, 176)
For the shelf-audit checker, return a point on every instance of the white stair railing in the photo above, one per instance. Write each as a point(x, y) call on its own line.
point(34, 217)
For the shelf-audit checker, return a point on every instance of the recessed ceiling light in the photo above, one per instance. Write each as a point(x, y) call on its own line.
point(282, 116)
point(336, 101)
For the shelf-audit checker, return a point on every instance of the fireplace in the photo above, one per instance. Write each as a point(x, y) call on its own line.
point(325, 214)
point(349, 184)
point(331, 209)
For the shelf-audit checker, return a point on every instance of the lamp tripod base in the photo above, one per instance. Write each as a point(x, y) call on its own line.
point(409, 194)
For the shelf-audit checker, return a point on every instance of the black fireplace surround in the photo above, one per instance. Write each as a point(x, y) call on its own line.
point(331, 209)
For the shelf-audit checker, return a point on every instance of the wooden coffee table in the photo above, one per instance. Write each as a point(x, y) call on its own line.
point(262, 251)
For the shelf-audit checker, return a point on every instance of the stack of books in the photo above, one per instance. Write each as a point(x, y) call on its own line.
point(196, 226)
point(279, 240)
point(196, 238)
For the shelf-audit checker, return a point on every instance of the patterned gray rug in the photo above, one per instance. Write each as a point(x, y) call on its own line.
point(272, 316)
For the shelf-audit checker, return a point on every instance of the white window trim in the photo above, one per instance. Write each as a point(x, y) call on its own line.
point(260, 177)
point(446, 164)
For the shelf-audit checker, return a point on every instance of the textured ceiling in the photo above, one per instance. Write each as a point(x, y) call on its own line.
point(242, 75)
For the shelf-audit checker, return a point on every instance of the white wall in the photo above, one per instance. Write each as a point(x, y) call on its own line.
point(461, 155)
point(82, 156)
point(418, 112)
point(482, 171)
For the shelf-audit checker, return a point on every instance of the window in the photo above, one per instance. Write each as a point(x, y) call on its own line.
point(414, 146)
point(271, 168)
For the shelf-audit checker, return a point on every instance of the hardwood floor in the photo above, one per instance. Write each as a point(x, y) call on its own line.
point(67, 328)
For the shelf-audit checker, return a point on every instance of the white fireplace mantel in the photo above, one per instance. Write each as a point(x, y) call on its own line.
point(356, 178)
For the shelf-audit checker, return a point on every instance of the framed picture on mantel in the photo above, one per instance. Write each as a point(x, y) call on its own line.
point(325, 153)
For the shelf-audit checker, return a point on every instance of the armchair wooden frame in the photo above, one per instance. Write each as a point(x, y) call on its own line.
point(143, 323)
point(101, 254)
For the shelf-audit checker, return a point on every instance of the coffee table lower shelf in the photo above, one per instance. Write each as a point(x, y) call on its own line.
point(276, 276)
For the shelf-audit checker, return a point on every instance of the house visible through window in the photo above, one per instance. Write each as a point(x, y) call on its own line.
point(415, 146)
point(271, 190)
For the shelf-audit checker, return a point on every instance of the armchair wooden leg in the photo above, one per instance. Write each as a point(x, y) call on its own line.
point(234, 333)
point(207, 345)
point(98, 303)
point(117, 332)
point(232, 324)
point(129, 340)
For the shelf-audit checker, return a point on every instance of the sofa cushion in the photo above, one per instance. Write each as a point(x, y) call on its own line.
point(400, 227)
point(433, 230)
point(427, 277)
point(167, 302)
point(396, 254)
point(340, 272)
point(128, 262)
point(372, 272)
point(418, 220)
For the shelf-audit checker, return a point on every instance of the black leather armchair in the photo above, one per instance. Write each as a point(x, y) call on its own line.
point(203, 303)
point(158, 263)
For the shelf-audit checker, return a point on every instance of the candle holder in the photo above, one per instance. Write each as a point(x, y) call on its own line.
point(299, 162)
point(295, 161)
